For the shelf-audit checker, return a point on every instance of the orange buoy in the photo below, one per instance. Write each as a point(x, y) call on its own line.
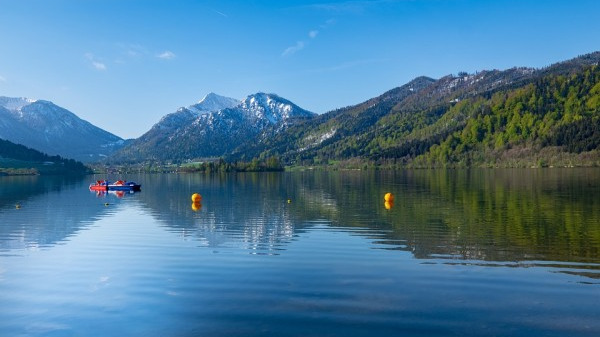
point(196, 206)
point(388, 204)
point(196, 197)
point(388, 197)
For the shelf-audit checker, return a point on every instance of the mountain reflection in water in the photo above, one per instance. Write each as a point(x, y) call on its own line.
point(470, 253)
point(487, 215)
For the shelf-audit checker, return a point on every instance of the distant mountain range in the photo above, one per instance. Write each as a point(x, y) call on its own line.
point(214, 127)
point(515, 117)
point(48, 128)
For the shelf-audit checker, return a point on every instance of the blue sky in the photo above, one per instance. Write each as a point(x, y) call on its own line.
point(123, 64)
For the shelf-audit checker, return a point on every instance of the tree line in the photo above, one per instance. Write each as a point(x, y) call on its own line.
point(37, 162)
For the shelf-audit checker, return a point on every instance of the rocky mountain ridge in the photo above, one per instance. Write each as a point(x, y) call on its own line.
point(212, 130)
point(49, 128)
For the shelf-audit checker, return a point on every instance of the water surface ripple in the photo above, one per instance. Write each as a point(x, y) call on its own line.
point(464, 253)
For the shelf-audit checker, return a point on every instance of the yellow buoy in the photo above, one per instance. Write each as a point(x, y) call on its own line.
point(196, 206)
point(388, 204)
point(388, 197)
point(196, 197)
point(289, 201)
point(17, 206)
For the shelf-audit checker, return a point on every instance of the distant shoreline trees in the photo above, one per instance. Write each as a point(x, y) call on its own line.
point(271, 164)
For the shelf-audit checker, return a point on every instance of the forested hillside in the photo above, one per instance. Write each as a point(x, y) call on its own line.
point(19, 159)
point(555, 120)
point(513, 118)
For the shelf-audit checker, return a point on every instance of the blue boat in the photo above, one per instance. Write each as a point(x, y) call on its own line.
point(122, 185)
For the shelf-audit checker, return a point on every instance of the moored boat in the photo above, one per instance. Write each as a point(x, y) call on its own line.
point(122, 185)
point(100, 185)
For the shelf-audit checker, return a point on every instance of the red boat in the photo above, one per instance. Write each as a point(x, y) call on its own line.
point(100, 185)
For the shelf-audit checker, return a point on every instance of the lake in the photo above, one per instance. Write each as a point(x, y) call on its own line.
point(459, 253)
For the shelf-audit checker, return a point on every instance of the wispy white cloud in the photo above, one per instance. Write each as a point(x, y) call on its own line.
point(134, 50)
point(95, 62)
point(123, 54)
point(220, 13)
point(99, 65)
point(293, 49)
point(129, 52)
point(328, 23)
point(312, 34)
point(166, 55)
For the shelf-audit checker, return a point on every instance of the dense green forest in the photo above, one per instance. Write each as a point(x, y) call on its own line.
point(16, 159)
point(208, 165)
point(271, 164)
point(551, 118)
point(554, 121)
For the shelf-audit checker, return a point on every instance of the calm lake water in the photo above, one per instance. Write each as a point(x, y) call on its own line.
point(459, 253)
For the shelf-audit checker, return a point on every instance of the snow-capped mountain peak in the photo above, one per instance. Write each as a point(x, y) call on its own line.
point(15, 103)
point(271, 107)
point(212, 103)
point(198, 132)
point(47, 127)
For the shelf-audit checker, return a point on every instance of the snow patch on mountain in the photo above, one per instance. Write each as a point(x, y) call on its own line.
point(15, 103)
point(271, 107)
point(214, 127)
point(315, 140)
point(185, 115)
point(213, 102)
point(49, 128)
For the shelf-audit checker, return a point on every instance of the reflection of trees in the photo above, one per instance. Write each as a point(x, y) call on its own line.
point(16, 189)
point(51, 210)
point(510, 215)
point(496, 215)
point(487, 215)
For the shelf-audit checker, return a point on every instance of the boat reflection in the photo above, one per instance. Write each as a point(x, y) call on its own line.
point(118, 194)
